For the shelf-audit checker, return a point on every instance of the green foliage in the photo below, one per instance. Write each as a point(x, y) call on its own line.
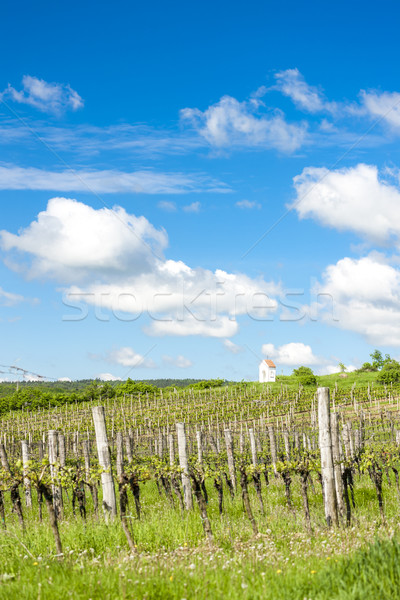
point(378, 361)
point(390, 372)
point(31, 397)
point(211, 383)
point(305, 376)
point(98, 388)
point(171, 383)
point(136, 387)
point(367, 368)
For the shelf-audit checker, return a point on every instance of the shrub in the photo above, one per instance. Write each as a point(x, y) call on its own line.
point(367, 368)
point(305, 376)
point(135, 387)
point(390, 372)
point(211, 383)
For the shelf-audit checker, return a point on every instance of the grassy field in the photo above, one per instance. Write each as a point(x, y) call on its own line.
point(172, 559)
point(344, 382)
point(174, 562)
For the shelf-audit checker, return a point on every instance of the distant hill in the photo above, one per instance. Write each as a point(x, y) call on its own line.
point(68, 387)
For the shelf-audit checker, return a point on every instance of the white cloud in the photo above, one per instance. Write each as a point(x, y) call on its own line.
point(115, 260)
point(65, 379)
point(192, 208)
point(231, 123)
point(10, 299)
point(107, 377)
point(180, 361)
point(232, 347)
point(167, 206)
point(90, 140)
point(222, 326)
point(292, 84)
point(106, 181)
point(352, 199)
point(47, 97)
point(248, 204)
point(365, 295)
point(127, 357)
point(381, 105)
point(292, 354)
point(181, 301)
point(70, 241)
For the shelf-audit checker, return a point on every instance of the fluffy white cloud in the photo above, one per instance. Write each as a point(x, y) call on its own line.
point(248, 204)
point(292, 84)
point(47, 97)
point(352, 199)
point(231, 123)
point(180, 300)
point(127, 357)
point(66, 379)
point(107, 377)
point(179, 361)
point(106, 181)
point(71, 241)
point(232, 347)
point(365, 296)
point(292, 354)
point(381, 105)
point(115, 261)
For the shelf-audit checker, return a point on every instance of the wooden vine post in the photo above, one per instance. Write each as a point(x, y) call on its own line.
point(183, 462)
point(231, 457)
point(256, 473)
point(14, 491)
point(336, 463)
point(56, 488)
point(327, 466)
point(123, 483)
point(272, 443)
point(27, 483)
point(103, 451)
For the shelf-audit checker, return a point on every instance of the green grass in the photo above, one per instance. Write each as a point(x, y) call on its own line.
point(344, 383)
point(373, 572)
point(173, 561)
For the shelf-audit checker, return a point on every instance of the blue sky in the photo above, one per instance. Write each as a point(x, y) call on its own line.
point(188, 189)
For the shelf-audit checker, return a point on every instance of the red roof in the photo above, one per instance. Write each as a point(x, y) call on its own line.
point(270, 363)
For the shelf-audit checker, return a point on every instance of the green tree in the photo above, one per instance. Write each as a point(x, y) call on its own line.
point(135, 387)
point(342, 367)
point(211, 383)
point(390, 372)
point(377, 359)
point(366, 368)
point(387, 359)
point(305, 376)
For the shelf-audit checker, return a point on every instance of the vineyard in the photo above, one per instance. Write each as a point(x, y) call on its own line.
point(242, 491)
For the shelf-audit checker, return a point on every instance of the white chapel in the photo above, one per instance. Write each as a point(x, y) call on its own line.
point(266, 371)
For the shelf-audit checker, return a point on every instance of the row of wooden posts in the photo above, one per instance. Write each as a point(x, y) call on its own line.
point(329, 443)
